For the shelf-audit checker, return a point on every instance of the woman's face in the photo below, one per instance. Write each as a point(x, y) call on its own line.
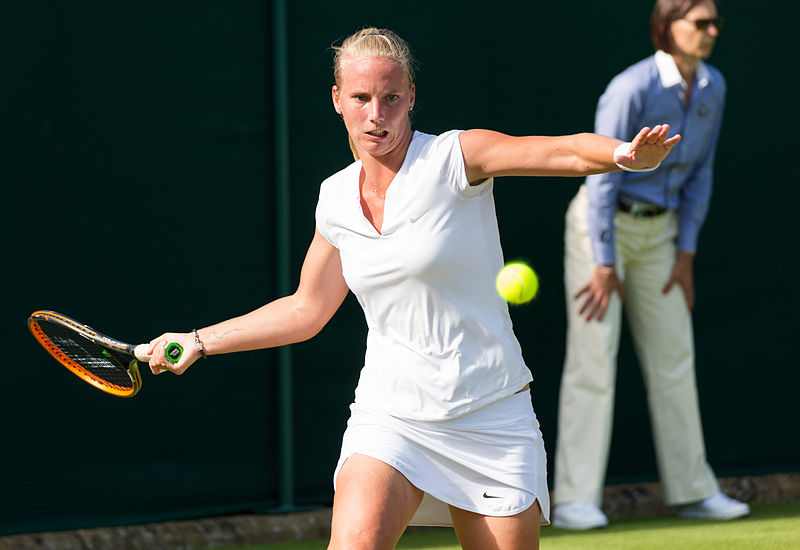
point(688, 39)
point(374, 97)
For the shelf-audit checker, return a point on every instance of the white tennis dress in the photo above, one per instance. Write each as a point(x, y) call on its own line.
point(437, 396)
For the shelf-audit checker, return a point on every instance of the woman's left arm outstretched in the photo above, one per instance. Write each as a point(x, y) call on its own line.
point(489, 154)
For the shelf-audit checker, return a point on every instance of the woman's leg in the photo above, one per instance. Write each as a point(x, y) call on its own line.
point(586, 399)
point(372, 505)
point(517, 532)
point(661, 326)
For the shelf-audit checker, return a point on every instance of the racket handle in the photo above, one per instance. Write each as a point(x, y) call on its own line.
point(140, 352)
point(173, 351)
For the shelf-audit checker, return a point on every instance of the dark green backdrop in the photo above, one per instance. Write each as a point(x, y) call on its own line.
point(139, 168)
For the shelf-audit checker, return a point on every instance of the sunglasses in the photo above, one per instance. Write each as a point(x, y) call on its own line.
point(702, 24)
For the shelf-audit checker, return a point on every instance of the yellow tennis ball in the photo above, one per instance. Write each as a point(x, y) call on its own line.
point(517, 283)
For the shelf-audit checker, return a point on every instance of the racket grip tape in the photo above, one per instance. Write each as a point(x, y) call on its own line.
point(173, 352)
point(140, 352)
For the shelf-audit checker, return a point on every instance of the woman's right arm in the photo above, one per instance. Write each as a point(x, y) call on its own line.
point(618, 113)
point(287, 320)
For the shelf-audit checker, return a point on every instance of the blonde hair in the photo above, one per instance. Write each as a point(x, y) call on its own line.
point(372, 42)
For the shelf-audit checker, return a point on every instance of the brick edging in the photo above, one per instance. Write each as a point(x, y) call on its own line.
point(645, 499)
point(638, 499)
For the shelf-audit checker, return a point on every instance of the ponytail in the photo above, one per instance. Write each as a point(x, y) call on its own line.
point(352, 147)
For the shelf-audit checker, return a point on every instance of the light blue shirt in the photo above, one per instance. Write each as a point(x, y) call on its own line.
point(647, 93)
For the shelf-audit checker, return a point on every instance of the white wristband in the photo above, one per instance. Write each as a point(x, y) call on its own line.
point(622, 150)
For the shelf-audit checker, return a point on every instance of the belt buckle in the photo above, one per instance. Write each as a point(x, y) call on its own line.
point(638, 210)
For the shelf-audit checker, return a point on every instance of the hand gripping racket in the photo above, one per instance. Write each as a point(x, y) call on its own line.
point(105, 363)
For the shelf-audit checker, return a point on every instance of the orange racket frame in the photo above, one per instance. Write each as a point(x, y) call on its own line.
point(118, 352)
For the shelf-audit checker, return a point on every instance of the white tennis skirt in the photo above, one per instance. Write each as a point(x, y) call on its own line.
point(490, 461)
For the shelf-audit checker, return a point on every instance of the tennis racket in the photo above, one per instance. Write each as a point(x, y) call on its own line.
point(105, 363)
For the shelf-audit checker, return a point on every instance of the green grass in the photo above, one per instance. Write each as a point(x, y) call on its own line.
point(770, 527)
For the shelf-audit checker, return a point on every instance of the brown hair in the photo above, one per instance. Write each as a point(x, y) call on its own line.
point(372, 42)
point(664, 13)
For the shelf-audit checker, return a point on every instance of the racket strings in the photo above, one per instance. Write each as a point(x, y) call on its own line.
point(83, 356)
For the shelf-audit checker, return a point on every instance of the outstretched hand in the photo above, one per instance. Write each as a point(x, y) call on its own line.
point(647, 149)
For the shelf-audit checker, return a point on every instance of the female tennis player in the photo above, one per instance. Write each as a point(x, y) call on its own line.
point(442, 429)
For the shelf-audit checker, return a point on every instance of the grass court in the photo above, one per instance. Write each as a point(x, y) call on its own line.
point(769, 527)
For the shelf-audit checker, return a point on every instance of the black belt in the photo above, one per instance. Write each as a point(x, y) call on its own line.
point(639, 209)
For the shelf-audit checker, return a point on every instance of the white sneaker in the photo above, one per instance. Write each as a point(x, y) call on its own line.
point(578, 516)
point(719, 506)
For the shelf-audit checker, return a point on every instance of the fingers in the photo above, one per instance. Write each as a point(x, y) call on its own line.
point(157, 356)
point(655, 136)
point(671, 142)
point(158, 360)
point(593, 305)
point(688, 294)
point(600, 309)
point(648, 149)
point(598, 295)
point(640, 138)
point(581, 292)
point(587, 303)
point(686, 288)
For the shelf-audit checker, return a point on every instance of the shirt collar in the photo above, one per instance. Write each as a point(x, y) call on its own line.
point(671, 76)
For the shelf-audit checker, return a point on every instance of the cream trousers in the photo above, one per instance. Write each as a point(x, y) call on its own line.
point(661, 327)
